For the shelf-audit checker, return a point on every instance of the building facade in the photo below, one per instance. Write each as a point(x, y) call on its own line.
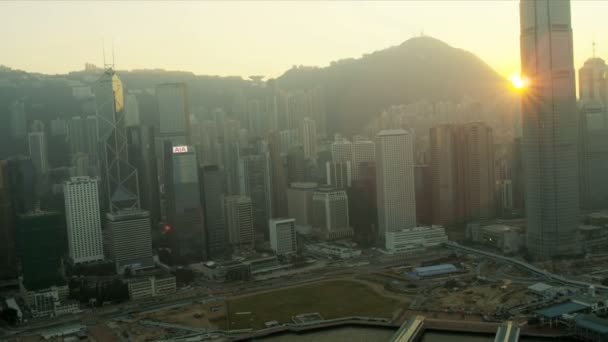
point(129, 239)
point(239, 221)
point(550, 128)
point(85, 240)
point(283, 235)
point(330, 214)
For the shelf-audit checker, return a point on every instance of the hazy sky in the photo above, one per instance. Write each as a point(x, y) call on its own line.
point(267, 38)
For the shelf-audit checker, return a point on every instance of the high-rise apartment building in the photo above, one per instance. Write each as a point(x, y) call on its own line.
point(256, 182)
point(395, 181)
point(550, 128)
point(85, 241)
point(239, 220)
point(283, 235)
point(183, 205)
point(364, 151)
point(8, 261)
point(279, 176)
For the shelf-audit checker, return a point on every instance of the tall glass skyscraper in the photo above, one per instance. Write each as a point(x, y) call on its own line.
point(550, 128)
point(118, 175)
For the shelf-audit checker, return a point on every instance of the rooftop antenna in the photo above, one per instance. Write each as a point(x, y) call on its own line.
point(112, 53)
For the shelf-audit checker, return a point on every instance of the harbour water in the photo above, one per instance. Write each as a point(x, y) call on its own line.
point(360, 334)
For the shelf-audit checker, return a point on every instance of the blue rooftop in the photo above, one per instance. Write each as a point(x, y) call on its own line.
point(435, 269)
point(561, 309)
point(592, 323)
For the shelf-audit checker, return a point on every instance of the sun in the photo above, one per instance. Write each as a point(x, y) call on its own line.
point(518, 81)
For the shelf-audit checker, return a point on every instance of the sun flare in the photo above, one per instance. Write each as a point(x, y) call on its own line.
point(518, 81)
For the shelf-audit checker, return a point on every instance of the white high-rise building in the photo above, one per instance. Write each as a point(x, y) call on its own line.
point(283, 235)
point(38, 151)
point(85, 239)
point(363, 151)
point(342, 151)
point(550, 128)
point(395, 181)
point(309, 138)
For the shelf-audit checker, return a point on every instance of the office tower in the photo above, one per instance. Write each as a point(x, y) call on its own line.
point(131, 111)
point(479, 177)
point(550, 128)
point(41, 243)
point(129, 239)
point(279, 176)
point(330, 214)
point(38, 151)
point(209, 145)
point(59, 127)
point(22, 184)
point(85, 241)
point(231, 154)
point(309, 138)
point(82, 135)
point(174, 112)
point(363, 151)
point(8, 261)
point(593, 105)
point(18, 120)
point(119, 177)
point(282, 233)
point(239, 221)
point(362, 207)
point(338, 174)
point(341, 151)
point(184, 209)
point(256, 182)
point(142, 155)
point(395, 181)
point(424, 202)
point(297, 165)
point(299, 202)
point(213, 191)
point(447, 174)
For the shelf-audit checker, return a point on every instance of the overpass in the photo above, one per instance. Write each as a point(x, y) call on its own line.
point(531, 268)
point(507, 332)
point(410, 331)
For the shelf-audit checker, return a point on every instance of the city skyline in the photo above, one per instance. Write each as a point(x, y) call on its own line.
point(183, 30)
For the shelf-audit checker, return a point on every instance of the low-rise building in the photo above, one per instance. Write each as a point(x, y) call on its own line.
point(333, 251)
point(265, 265)
point(223, 271)
point(508, 239)
point(410, 240)
point(593, 238)
point(52, 301)
point(151, 286)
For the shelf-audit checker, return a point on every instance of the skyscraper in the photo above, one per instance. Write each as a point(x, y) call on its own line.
point(593, 105)
point(239, 221)
point(395, 181)
point(479, 171)
point(85, 242)
point(550, 128)
point(279, 176)
point(119, 177)
point(174, 112)
point(338, 174)
point(41, 243)
point(18, 120)
point(330, 214)
point(446, 167)
point(38, 151)
point(130, 241)
point(299, 202)
point(183, 203)
point(256, 182)
point(213, 191)
point(309, 138)
point(364, 151)
point(283, 235)
point(8, 261)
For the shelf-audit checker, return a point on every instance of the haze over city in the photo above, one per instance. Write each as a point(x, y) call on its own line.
point(304, 171)
point(210, 38)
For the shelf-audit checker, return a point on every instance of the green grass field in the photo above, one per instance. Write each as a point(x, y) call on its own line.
point(330, 299)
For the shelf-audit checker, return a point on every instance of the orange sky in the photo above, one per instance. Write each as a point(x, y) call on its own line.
point(245, 38)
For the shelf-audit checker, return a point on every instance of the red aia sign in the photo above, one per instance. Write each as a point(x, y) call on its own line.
point(180, 149)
